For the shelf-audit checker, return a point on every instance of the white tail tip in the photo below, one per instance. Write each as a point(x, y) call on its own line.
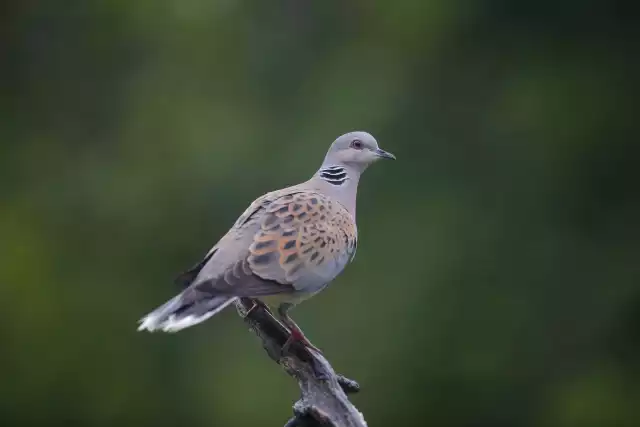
point(156, 320)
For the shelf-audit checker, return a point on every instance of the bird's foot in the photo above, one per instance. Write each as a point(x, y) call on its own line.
point(297, 336)
point(315, 357)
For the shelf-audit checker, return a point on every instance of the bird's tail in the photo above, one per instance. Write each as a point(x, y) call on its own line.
point(182, 311)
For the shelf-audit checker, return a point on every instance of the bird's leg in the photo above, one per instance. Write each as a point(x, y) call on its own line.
point(296, 332)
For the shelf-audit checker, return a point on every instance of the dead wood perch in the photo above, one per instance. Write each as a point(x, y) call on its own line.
point(324, 399)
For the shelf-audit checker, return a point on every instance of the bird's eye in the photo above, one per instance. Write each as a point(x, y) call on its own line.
point(357, 144)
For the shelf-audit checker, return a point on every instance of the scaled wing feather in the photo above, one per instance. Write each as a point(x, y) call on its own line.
point(305, 239)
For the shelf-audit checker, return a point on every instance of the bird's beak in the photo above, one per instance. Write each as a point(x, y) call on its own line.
point(384, 154)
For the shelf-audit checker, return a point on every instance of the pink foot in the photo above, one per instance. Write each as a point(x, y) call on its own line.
point(298, 336)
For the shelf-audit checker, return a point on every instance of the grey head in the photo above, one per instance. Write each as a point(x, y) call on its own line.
point(356, 150)
point(349, 155)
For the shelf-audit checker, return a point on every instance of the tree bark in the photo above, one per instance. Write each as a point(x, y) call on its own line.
point(324, 399)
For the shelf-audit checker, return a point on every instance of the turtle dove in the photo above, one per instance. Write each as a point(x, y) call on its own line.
point(287, 246)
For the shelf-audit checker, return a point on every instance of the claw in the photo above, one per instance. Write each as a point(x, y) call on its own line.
point(253, 307)
point(297, 336)
point(256, 304)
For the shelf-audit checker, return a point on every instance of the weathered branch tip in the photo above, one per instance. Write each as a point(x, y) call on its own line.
point(324, 399)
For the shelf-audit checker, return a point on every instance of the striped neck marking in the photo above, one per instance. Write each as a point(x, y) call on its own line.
point(335, 175)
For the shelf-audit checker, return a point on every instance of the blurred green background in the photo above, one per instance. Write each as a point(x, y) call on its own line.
point(497, 281)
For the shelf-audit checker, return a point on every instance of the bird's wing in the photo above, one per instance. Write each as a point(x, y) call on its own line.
point(187, 277)
point(286, 241)
point(305, 239)
point(242, 227)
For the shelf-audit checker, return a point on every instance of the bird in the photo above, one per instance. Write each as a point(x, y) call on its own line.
point(287, 246)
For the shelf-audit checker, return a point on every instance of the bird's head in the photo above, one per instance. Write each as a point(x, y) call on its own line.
point(356, 150)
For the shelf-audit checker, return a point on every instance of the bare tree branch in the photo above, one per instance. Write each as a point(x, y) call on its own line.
point(324, 399)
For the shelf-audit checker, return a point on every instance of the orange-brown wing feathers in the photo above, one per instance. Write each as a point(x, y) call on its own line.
point(298, 241)
point(304, 239)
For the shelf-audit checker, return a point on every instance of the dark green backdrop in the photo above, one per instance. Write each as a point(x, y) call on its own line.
point(497, 281)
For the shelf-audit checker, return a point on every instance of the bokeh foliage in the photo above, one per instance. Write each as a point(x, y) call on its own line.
point(497, 278)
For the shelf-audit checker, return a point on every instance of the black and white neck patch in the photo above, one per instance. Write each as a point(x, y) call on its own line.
point(335, 175)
